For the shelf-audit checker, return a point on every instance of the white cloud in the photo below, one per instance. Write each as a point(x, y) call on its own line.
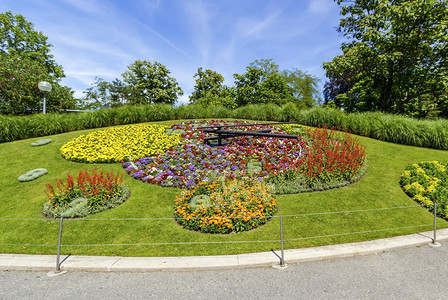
point(90, 6)
point(150, 6)
point(167, 41)
point(320, 6)
point(199, 16)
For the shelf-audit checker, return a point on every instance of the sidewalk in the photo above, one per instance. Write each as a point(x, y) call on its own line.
point(188, 263)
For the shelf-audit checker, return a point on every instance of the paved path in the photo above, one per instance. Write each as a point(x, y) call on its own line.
point(367, 270)
point(416, 273)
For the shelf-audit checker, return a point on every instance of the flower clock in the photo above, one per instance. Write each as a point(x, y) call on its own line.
point(426, 183)
point(225, 189)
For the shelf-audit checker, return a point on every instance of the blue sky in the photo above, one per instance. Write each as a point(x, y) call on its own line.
point(102, 37)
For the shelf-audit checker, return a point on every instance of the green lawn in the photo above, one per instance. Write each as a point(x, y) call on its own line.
point(25, 230)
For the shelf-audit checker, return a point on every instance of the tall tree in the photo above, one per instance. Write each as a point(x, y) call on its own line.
point(19, 77)
point(119, 92)
point(247, 86)
point(18, 83)
point(18, 36)
point(208, 83)
point(210, 90)
point(397, 55)
point(303, 85)
point(150, 83)
point(264, 82)
point(25, 59)
point(268, 66)
point(274, 89)
point(96, 95)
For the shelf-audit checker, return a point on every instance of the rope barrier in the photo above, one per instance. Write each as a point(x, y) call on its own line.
point(267, 217)
point(222, 242)
point(358, 232)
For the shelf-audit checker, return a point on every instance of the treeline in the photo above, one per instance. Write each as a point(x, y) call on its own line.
point(381, 126)
point(146, 82)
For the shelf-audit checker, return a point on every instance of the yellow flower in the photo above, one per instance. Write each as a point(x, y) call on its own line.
point(118, 143)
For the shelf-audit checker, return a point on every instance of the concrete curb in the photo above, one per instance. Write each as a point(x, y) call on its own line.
point(24, 262)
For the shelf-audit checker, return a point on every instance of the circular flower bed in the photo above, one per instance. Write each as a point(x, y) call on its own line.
point(426, 183)
point(224, 206)
point(118, 143)
point(89, 193)
point(319, 159)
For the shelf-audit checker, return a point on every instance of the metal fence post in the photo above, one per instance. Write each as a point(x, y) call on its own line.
point(58, 267)
point(282, 262)
point(434, 241)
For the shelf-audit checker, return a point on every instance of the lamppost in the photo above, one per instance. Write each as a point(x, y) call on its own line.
point(44, 87)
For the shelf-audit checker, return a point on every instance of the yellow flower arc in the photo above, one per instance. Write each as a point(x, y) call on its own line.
point(118, 143)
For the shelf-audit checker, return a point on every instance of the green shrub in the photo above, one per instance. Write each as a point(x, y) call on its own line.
point(250, 112)
point(11, 128)
point(217, 111)
point(130, 114)
point(288, 112)
point(426, 183)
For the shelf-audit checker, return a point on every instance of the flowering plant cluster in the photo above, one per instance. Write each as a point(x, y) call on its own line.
point(90, 192)
point(225, 206)
point(332, 156)
point(117, 143)
point(426, 183)
point(319, 156)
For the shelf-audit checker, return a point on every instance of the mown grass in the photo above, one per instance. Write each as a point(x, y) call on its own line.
point(25, 230)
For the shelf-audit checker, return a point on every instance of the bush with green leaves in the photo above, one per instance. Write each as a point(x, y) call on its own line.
point(426, 183)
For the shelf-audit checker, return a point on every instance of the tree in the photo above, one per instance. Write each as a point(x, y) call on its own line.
point(397, 56)
point(18, 36)
point(60, 98)
point(210, 90)
point(268, 66)
point(96, 95)
point(150, 83)
point(19, 93)
point(303, 85)
point(263, 82)
point(275, 90)
point(334, 87)
point(119, 92)
point(247, 86)
point(25, 60)
point(208, 83)
point(18, 84)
